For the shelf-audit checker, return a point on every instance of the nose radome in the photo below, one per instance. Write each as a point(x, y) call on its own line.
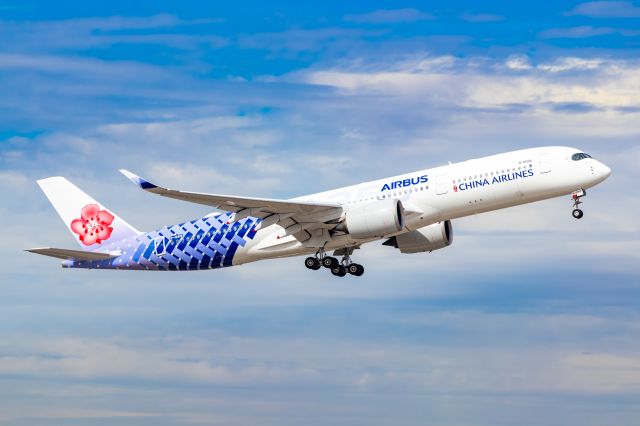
point(604, 171)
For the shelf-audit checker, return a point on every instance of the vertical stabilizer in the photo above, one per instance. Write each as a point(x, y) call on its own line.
point(91, 223)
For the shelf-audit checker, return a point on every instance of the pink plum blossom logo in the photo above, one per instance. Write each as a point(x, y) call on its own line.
point(93, 225)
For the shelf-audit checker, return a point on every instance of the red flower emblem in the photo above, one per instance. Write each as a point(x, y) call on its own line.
point(455, 188)
point(93, 225)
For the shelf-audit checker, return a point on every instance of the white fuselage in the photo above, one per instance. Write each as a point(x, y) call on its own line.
point(443, 193)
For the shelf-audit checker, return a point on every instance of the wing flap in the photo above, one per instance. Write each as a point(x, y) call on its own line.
point(68, 254)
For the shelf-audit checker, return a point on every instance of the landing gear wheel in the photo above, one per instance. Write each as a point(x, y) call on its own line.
point(355, 269)
point(330, 262)
point(339, 271)
point(576, 196)
point(352, 269)
point(312, 263)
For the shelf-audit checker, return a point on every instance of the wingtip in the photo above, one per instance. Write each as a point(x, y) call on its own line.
point(142, 183)
point(128, 174)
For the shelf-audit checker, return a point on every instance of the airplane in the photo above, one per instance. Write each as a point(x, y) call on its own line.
point(411, 213)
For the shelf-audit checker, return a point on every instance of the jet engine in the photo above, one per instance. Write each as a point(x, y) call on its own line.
point(428, 238)
point(375, 219)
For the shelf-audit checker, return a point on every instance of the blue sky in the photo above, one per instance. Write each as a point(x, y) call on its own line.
point(530, 317)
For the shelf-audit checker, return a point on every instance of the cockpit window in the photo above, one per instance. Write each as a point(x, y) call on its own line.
point(579, 156)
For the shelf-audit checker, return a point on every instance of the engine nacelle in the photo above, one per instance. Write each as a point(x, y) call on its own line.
point(375, 219)
point(429, 238)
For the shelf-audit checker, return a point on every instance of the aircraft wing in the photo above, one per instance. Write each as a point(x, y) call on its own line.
point(300, 211)
point(72, 254)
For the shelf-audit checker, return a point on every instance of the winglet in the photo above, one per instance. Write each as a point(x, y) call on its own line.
point(144, 184)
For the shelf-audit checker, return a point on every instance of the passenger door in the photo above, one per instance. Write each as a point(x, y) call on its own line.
point(442, 184)
point(544, 164)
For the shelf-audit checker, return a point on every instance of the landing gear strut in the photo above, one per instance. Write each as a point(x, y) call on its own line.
point(321, 259)
point(575, 196)
point(339, 268)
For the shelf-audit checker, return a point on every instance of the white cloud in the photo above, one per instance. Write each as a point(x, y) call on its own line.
point(391, 16)
point(481, 17)
point(606, 9)
point(82, 33)
point(189, 176)
point(611, 84)
point(76, 65)
point(586, 31)
point(303, 40)
point(571, 63)
point(258, 361)
point(11, 180)
point(518, 62)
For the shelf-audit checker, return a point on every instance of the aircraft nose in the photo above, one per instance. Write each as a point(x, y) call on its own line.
point(600, 172)
point(605, 171)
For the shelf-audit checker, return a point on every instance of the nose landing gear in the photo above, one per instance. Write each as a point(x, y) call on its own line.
point(576, 196)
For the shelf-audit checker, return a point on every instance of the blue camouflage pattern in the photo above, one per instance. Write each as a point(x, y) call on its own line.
point(207, 243)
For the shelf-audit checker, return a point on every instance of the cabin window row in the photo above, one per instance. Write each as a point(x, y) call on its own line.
point(392, 194)
point(488, 174)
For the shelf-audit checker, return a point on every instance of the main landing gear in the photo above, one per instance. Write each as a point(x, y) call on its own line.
point(575, 196)
point(339, 268)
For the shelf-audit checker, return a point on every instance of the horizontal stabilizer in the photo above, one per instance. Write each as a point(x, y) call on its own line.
point(72, 254)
